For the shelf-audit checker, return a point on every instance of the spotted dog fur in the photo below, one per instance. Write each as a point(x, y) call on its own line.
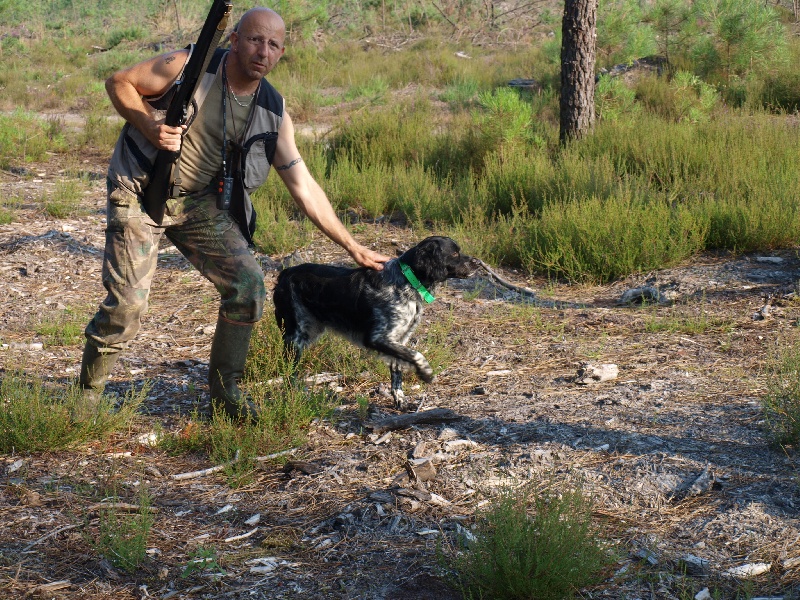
point(377, 310)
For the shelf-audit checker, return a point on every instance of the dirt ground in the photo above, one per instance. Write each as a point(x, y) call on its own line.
point(672, 450)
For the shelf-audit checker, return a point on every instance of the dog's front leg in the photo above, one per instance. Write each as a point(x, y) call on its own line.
point(406, 355)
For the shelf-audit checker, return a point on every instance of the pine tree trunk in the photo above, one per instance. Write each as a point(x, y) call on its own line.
point(578, 30)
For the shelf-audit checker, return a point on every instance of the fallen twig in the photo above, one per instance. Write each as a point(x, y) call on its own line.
point(208, 471)
point(275, 455)
point(505, 283)
point(49, 535)
point(244, 536)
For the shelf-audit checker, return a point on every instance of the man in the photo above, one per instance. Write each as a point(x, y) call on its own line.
point(240, 122)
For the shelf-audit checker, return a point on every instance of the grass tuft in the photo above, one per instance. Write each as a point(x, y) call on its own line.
point(781, 404)
point(531, 546)
point(36, 418)
point(122, 538)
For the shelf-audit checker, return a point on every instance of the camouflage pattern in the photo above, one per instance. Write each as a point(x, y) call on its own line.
point(209, 238)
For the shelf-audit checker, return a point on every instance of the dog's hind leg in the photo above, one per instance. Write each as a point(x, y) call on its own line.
point(396, 371)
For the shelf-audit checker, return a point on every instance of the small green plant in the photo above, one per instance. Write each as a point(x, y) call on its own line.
point(8, 208)
point(65, 199)
point(122, 538)
point(193, 436)
point(363, 407)
point(36, 418)
point(202, 559)
point(781, 404)
point(64, 328)
point(530, 546)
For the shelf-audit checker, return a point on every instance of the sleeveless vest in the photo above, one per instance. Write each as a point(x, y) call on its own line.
point(133, 156)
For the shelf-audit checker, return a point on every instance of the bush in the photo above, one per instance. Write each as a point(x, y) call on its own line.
point(549, 554)
point(782, 402)
point(34, 418)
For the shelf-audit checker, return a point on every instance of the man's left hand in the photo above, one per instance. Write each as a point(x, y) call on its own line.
point(368, 258)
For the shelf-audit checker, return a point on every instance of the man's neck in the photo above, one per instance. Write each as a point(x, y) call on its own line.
point(240, 84)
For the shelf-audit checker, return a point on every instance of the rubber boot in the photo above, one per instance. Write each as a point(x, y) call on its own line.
point(96, 366)
point(226, 366)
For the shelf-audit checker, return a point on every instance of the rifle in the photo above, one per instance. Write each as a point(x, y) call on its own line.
point(165, 177)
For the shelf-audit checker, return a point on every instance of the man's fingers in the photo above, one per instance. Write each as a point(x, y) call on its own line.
point(369, 258)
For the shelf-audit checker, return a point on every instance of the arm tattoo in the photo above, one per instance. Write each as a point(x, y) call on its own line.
point(289, 165)
point(169, 59)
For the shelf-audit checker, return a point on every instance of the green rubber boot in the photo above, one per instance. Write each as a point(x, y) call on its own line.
point(96, 366)
point(226, 366)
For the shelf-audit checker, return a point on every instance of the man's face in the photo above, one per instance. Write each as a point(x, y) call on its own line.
point(258, 45)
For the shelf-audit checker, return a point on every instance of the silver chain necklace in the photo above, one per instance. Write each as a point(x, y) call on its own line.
point(235, 99)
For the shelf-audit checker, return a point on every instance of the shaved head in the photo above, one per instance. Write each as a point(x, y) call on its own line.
point(257, 15)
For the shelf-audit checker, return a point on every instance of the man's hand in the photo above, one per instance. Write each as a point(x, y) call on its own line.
point(368, 258)
point(165, 137)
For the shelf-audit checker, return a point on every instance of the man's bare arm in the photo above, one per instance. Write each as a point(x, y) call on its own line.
point(148, 78)
point(311, 199)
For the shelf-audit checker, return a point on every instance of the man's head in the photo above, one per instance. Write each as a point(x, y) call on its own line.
point(257, 42)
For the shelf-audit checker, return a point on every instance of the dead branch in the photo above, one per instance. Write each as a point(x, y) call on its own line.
point(275, 455)
point(435, 415)
point(244, 536)
point(505, 283)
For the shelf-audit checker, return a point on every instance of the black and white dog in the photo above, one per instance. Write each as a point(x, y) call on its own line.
point(377, 310)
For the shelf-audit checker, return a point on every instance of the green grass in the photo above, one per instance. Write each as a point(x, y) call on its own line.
point(25, 138)
point(35, 417)
point(781, 403)
point(63, 328)
point(122, 538)
point(530, 546)
point(65, 199)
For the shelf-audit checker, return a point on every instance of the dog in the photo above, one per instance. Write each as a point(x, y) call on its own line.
point(376, 310)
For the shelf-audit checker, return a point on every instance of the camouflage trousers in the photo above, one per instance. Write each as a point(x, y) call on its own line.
point(209, 238)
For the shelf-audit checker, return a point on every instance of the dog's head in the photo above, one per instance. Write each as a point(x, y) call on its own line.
point(437, 258)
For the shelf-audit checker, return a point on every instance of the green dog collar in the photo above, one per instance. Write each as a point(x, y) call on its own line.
point(412, 279)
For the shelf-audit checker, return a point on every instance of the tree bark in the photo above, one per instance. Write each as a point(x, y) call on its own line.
point(579, 33)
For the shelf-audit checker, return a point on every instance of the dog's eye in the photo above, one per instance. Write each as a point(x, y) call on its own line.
point(454, 254)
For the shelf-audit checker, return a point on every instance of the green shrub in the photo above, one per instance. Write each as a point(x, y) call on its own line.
point(26, 138)
point(551, 553)
point(781, 404)
point(122, 538)
point(36, 418)
point(614, 99)
point(602, 240)
point(64, 328)
point(65, 199)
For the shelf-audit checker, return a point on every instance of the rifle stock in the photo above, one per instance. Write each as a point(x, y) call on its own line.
point(162, 185)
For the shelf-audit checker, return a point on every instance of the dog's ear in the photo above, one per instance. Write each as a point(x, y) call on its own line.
point(431, 262)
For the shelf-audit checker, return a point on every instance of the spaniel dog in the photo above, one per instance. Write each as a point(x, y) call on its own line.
point(377, 310)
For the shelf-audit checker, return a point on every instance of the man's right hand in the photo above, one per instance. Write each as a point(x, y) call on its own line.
point(165, 137)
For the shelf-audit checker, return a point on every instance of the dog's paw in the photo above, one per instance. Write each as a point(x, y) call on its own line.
point(400, 402)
